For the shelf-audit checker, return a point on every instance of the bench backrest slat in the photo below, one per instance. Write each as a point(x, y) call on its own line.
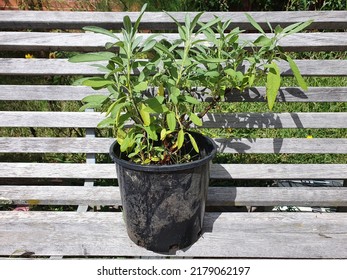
point(255, 94)
point(10, 20)
point(88, 42)
point(217, 120)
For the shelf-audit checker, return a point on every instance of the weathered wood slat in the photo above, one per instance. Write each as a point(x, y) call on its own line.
point(277, 196)
point(16, 20)
point(217, 196)
point(232, 145)
point(218, 171)
point(277, 145)
point(47, 92)
point(291, 94)
point(46, 67)
point(54, 145)
point(236, 120)
point(274, 120)
point(252, 235)
point(39, 41)
point(256, 94)
point(50, 119)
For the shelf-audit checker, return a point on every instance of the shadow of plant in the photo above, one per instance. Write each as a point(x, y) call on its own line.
point(258, 95)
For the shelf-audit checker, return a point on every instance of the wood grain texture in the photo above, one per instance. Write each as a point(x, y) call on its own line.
point(279, 145)
point(218, 171)
point(255, 94)
point(290, 94)
point(47, 67)
point(232, 145)
point(14, 20)
point(217, 196)
point(217, 120)
point(46, 92)
point(252, 235)
point(88, 42)
point(274, 120)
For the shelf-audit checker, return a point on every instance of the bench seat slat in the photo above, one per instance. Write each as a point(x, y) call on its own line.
point(16, 20)
point(252, 235)
point(88, 42)
point(77, 93)
point(47, 67)
point(217, 196)
point(217, 120)
point(232, 145)
point(218, 171)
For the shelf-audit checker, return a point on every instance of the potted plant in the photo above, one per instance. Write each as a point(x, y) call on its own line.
point(152, 105)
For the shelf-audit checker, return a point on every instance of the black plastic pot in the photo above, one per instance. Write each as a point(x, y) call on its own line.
point(164, 205)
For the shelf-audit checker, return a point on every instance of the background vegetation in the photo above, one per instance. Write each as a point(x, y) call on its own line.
point(178, 5)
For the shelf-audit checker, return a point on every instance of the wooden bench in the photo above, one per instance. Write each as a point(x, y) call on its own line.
point(68, 172)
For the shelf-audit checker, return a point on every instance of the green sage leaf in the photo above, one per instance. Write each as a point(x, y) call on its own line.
point(145, 115)
point(296, 27)
point(95, 98)
point(296, 72)
point(140, 86)
point(180, 139)
point(162, 134)
point(97, 82)
point(190, 99)
point(149, 45)
point(254, 23)
point(195, 119)
point(154, 105)
point(127, 24)
point(106, 123)
point(273, 82)
point(151, 132)
point(194, 144)
point(89, 57)
point(99, 30)
point(263, 41)
point(171, 120)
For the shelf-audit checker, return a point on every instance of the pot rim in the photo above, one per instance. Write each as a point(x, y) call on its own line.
point(164, 168)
